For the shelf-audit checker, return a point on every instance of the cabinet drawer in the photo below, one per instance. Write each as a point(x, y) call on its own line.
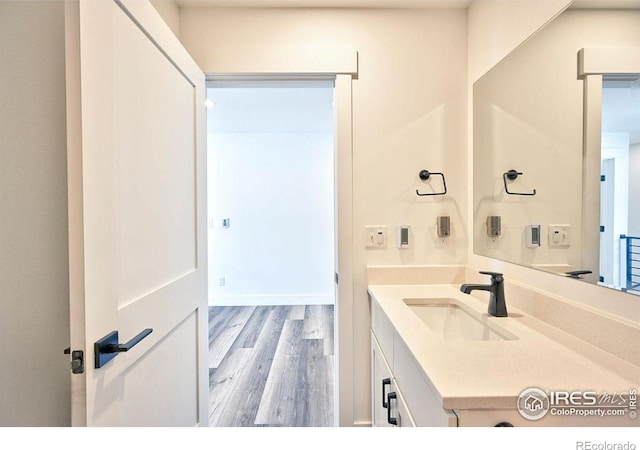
point(424, 407)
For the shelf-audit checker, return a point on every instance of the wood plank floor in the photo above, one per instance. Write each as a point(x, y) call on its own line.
point(271, 366)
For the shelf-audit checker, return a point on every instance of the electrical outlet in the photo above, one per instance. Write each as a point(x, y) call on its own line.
point(376, 236)
point(222, 281)
point(559, 236)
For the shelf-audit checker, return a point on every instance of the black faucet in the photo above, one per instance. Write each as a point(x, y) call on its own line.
point(497, 305)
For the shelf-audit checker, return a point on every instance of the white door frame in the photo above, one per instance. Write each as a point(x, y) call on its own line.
point(344, 331)
point(343, 187)
point(340, 64)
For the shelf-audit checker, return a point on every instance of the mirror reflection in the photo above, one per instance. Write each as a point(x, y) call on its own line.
point(536, 203)
point(620, 183)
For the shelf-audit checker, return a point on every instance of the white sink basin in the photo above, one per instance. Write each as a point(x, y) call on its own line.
point(453, 320)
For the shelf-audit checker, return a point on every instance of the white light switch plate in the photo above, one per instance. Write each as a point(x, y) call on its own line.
point(376, 236)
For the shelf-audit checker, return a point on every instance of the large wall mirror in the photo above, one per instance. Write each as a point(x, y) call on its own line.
point(556, 142)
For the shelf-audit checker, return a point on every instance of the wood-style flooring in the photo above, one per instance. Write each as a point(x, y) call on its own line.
point(271, 366)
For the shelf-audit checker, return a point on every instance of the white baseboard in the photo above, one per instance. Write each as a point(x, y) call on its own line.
point(263, 300)
point(362, 423)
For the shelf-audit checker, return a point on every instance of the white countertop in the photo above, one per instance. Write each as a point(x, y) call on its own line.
point(492, 374)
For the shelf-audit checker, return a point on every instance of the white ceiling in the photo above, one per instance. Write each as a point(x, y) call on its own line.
point(605, 4)
point(326, 3)
point(627, 4)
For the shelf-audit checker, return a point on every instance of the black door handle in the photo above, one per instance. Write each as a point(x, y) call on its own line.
point(391, 420)
point(385, 382)
point(118, 348)
point(108, 347)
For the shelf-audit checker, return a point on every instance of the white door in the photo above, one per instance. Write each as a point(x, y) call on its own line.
point(137, 196)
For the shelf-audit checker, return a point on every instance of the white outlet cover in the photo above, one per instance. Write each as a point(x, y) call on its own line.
point(375, 236)
point(559, 236)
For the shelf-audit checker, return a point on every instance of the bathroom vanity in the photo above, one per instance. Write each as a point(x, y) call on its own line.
point(438, 359)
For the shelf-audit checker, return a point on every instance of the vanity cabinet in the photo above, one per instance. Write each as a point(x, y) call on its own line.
point(395, 371)
point(446, 378)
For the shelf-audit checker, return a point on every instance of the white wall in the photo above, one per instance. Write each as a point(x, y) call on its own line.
point(496, 27)
point(34, 291)
point(170, 12)
point(271, 173)
point(634, 190)
point(408, 114)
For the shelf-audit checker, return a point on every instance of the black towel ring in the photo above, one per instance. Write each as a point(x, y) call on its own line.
point(512, 175)
point(425, 175)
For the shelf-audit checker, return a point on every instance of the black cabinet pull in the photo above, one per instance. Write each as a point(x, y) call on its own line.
point(391, 420)
point(109, 347)
point(385, 382)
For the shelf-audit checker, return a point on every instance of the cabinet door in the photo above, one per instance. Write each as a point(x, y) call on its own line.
point(381, 384)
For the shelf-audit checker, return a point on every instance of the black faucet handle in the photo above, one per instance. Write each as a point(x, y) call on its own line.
point(495, 276)
point(576, 274)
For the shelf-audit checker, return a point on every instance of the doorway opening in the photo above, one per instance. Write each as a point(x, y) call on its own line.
point(272, 252)
point(620, 185)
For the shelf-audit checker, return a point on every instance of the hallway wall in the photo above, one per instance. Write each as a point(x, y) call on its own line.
point(34, 278)
point(270, 172)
